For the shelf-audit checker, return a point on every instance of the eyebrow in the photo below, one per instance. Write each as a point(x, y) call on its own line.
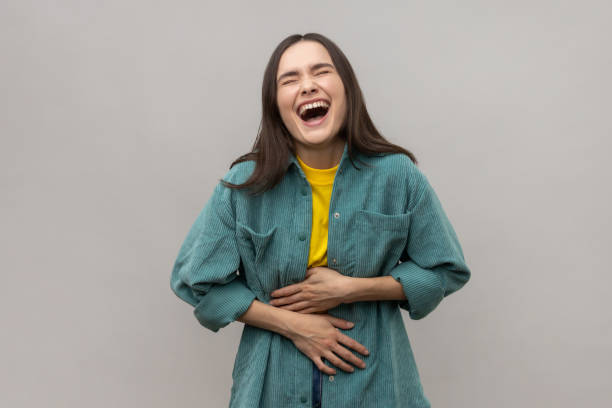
point(312, 68)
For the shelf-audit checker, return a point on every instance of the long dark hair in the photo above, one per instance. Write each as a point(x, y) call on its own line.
point(274, 142)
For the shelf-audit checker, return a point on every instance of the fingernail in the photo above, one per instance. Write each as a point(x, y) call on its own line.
point(351, 324)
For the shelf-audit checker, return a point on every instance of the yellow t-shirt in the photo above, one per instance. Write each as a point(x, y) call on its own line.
point(321, 182)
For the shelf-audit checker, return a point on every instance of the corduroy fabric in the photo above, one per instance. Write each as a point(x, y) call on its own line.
point(383, 220)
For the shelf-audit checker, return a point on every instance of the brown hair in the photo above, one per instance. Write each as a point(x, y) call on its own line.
point(274, 142)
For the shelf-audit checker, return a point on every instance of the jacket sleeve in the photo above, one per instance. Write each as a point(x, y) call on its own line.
point(432, 263)
point(204, 273)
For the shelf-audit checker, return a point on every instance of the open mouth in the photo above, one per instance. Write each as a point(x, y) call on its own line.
point(314, 114)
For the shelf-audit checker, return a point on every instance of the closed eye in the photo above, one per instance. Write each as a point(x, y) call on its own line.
point(293, 80)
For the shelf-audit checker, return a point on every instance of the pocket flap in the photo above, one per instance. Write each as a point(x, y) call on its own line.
point(259, 240)
point(391, 222)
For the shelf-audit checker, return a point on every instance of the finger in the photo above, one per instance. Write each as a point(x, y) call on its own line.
point(286, 300)
point(338, 362)
point(341, 323)
point(348, 356)
point(308, 310)
point(347, 341)
point(296, 307)
point(323, 367)
point(287, 290)
point(289, 307)
point(311, 310)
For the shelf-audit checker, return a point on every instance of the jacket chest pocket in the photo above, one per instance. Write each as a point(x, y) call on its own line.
point(255, 253)
point(379, 241)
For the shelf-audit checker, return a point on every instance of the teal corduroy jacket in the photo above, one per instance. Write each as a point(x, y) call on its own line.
point(383, 220)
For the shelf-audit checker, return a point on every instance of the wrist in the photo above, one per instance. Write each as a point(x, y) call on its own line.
point(351, 290)
point(374, 289)
point(288, 322)
point(268, 317)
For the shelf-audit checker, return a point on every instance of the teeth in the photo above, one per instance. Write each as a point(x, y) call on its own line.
point(316, 104)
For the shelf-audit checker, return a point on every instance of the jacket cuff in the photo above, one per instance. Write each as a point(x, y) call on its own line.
point(422, 287)
point(223, 304)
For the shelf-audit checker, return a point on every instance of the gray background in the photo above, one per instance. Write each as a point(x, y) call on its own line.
point(118, 117)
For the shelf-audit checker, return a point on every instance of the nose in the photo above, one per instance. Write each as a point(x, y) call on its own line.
point(308, 87)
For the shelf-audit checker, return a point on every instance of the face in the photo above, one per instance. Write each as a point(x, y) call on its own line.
point(305, 73)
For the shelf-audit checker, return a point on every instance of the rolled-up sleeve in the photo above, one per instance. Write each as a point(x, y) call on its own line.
point(205, 271)
point(432, 263)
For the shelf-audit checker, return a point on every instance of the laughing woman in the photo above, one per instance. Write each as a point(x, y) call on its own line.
point(315, 240)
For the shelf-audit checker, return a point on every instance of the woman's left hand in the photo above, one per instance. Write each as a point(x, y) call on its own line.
point(323, 289)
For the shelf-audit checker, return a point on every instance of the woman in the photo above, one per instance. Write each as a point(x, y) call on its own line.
point(315, 240)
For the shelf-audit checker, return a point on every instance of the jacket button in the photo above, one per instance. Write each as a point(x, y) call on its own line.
point(303, 398)
point(302, 237)
point(337, 215)
point(304, 192)
point(331, 378)
point(334, 260)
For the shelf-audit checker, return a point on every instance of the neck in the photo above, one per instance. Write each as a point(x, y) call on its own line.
point(321, 158)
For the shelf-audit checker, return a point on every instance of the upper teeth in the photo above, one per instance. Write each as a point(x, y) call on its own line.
point(316, 104)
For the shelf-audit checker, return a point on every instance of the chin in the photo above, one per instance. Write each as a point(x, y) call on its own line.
point(318, 138)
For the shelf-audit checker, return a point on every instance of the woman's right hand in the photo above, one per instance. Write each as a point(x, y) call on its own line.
point(316, 335)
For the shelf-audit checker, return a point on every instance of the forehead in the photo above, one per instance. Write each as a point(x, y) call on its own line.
point(303, 54)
